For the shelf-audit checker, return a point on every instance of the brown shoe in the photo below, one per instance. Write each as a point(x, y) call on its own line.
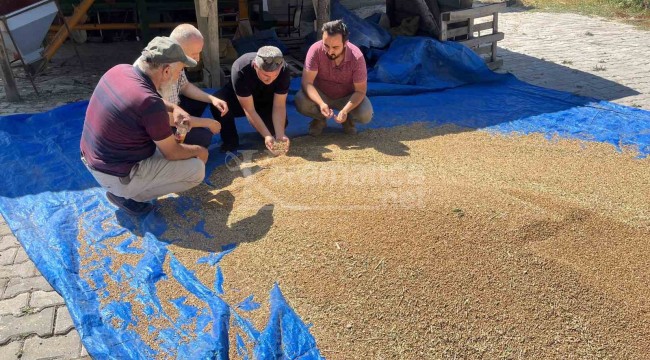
point(316, 127)
point(349, 128)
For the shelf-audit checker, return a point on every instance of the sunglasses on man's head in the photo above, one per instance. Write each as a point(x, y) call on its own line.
point(271, 60)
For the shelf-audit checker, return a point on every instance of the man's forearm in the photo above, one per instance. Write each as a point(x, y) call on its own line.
point(356, 99)
point(198, 122)
point(255, 120)
point(193, 92)
point(279, 116)
point(183, 152)
point(312, 93)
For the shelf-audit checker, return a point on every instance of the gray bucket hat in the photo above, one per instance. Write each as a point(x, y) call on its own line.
point(269, 58)
point(164, 50)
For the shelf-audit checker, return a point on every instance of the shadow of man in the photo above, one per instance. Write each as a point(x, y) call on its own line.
point(193, 223)
point(216, 231)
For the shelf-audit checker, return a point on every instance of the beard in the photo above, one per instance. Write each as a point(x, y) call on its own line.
point(335, 56)
point(166, 89)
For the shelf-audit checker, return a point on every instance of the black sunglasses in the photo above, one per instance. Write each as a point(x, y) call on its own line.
point(278, 60)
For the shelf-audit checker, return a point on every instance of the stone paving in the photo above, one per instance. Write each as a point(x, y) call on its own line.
point(34, 321)
point(587, 56)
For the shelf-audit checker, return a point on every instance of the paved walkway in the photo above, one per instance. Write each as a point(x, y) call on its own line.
point(587, 56)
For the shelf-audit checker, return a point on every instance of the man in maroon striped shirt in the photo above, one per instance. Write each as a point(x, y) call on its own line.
point(334, 76)
point(127, 143)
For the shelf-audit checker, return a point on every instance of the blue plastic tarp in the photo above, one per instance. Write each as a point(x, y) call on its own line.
point(364, 34)
point(55, 207)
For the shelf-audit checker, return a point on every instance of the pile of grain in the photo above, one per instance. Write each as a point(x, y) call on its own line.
point(416, 243)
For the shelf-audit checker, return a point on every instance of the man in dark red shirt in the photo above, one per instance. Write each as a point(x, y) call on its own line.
point(335, 76)
point(127, 143)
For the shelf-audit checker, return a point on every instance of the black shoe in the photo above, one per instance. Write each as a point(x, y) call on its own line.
point(129, 206)
point(225, 148)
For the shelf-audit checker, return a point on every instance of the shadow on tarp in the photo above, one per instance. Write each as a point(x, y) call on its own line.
point(199, 221)
point(61, 217)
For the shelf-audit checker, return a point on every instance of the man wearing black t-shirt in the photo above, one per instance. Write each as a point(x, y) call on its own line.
point(258, 88)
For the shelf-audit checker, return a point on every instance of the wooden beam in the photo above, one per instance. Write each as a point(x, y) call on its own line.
point(452, 33)
point(243, 10)
point(143, 15)
point(390, 12)
point(116, 26)
point(479, 11)
point(79, 14)
point(487, 25)
point(471, 43)
point(213, 31)
point(322, 15)
point(134, 26)
point(245, 28)
point(201, 9)
point(201, 17)
point(7, 75)
point(495, 20)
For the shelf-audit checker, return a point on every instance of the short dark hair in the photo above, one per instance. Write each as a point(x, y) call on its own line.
point(336, 27)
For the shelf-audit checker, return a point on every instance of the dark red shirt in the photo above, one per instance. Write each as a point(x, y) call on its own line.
point(124, 118)
point(336, 81)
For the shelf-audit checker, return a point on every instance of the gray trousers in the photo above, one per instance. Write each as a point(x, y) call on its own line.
point(154, 177)
point(361, 114)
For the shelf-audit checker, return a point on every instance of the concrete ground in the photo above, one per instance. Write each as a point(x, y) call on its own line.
point(583, 55)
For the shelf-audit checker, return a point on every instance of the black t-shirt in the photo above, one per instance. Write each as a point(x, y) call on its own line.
point(246, 83)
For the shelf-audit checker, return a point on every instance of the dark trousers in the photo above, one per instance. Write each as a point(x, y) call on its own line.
point(229, 133)
point(199, 135)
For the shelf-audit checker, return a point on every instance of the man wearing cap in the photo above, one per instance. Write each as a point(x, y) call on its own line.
point(334, 77)
point(127, 143)
point(187, 100)
point(258, 88)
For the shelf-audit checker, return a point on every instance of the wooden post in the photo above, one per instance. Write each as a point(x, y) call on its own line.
point(390, 12)
point(495, 29)
point(243, 10)
point(201, 17)
point(244, 28)
point(212, 64)
point(79, 14)
point(145, 35)
point(207, 17)
point(201, 9)
point(442, 36)
point(7, 75)
point(322, 15)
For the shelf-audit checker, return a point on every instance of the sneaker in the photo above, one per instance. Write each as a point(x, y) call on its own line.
point(349, 128)
point(316, 127)
point(129, 206)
